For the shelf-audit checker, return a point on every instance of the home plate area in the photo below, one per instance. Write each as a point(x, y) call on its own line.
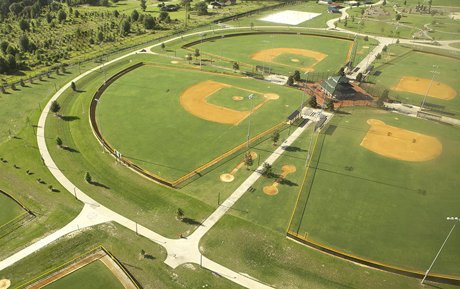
point(290, 17)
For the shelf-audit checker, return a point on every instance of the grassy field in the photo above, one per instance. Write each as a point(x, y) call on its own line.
point(10, 209)
point(129, 107)
point(241, 49)
point(150, 271)
point(95, 275)
point(269, 256)
point(417, 64)
point(375, 207)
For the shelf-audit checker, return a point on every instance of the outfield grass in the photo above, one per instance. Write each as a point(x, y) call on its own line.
point(10, 209)
point(379, 208)
point(141, 116)
point(272, 258)
point(420, 65)
point(240, 49)
point(95, 275)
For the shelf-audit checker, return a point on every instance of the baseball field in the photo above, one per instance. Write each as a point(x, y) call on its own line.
point(409, 76)
point(173, 120)
point(380, 184)
point(95, 275)
point(285, 53)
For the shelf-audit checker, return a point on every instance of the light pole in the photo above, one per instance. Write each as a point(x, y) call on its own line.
point(251, 97)
point(456, 220)
point(435, 71)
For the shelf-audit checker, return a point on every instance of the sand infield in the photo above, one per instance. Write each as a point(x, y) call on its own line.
point(269, 55)
point(193, 100)
point(273, 188)
point(420, 86)
point(400, 144)
point(5, 283)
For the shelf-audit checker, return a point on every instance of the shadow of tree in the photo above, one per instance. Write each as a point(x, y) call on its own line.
point(69, 149)
point(70, 118)
point(97, 184)
point(190, 221)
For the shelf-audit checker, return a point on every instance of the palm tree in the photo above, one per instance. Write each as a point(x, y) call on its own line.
point(248, 161)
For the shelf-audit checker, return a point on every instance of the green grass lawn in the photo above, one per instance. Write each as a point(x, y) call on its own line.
point(95, 275)
point(456, 45)
point(140, 115)
point(240, 49)
point(10, 209)
point(420, 65)
point(377, 208)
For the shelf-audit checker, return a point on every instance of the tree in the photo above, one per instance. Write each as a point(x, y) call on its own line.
point(163, 46)
point(236, 66)
point(290, 81)
point(100, 36)
point(125, 28)
point(59, 142)
point(4, 46)
point(312, 102)
point(116, 13)
point(188, 57)
point(24, 43)
point(197, 53)
point(330, 105)
point(24, 25)
point(73, 86)
point(359, 77)
point(384, 2)
point(201, 8)
point(62, 16)
point(164, 17)
point(134, 15)
point(248, 161)
point(296, 75)
point(143, 5)
point(142, 253)
point(149, 22)
point(366, 38)
point(266, 169)
point(11, 60)
point(180, 214)
point(398, 17)
point(88, 178)
point(275, 137)
point(55, 107)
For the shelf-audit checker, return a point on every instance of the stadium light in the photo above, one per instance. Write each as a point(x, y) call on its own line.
point(456, 220)
point(251, 96)
point(435, 71)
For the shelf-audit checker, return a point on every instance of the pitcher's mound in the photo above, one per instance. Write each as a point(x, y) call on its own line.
point(174, 62)
point(227, 178)
point(5, 283)
point(237, 98)
point(270, 190)
point(294, 60)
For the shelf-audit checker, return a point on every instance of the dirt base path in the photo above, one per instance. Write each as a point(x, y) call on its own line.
point(193, 100)
point(273, 189)
point(400, 144)
point(420, 86)
point(229, 177)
